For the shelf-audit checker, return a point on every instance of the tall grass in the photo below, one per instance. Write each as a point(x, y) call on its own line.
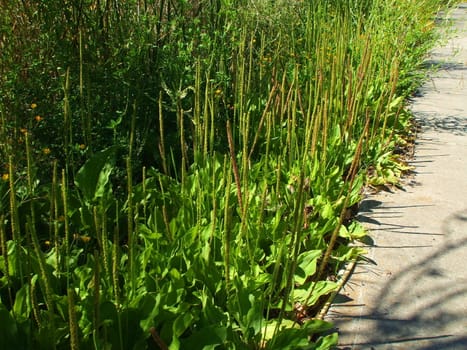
point(211, 155)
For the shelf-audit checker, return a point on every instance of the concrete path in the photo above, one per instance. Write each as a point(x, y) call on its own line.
point(414, 295)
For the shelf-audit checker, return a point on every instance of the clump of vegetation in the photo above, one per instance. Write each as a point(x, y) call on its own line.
point(183, 174)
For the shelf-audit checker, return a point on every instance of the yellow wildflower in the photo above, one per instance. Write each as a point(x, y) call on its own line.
point(38, 118)
point(82, 146)
point(5, 177)
point(84, 239)
point(46, 151)
point(33, 105)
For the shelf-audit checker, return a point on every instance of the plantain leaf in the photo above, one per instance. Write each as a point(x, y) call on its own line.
point(9, 337)
point(22, 305)
point(207, 338)
point(93, 177)
point(317, 289)
point(306, 265)
point(328, 342)
point(297, 338)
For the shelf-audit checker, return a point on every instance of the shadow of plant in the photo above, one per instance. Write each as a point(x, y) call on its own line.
point(442, 65)
point(431, 121)
point(428, 297)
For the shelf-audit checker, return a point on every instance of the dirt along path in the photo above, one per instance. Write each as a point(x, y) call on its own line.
point(414, 295)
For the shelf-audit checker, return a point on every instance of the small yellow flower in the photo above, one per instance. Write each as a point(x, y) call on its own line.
point(82, 146)
point(23, 131)
point(84, 239)
point(218, 92)
point(38, 118)
point(5, 177)
point(47, 243)
point(33, 105)
point(46, 151)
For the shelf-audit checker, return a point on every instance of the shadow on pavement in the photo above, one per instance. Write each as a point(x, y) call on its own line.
point(368, 215)
point(456, 125)
point(423, 306)
point(438, 65)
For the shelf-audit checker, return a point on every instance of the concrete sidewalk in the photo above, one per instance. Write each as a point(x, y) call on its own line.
point(415, 295)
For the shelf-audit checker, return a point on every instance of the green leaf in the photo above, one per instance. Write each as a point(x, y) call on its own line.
point(206, 338)
point(327, 211)
point(9, 337)
point(211, 313)
point(357, 230)
point(133, 336)
point(306, 265)
point(175, 344)
point(268, 331)
point(317, 289)
point(247, 308)
point(181, 323)
point(328, 342)
point(254, 318)
point(93, 177)
point(343, 232)
point(317, 326)
point(297, 338)
point(22, 305)
point(346, 253)
point(149, 306)
point(396, 102)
